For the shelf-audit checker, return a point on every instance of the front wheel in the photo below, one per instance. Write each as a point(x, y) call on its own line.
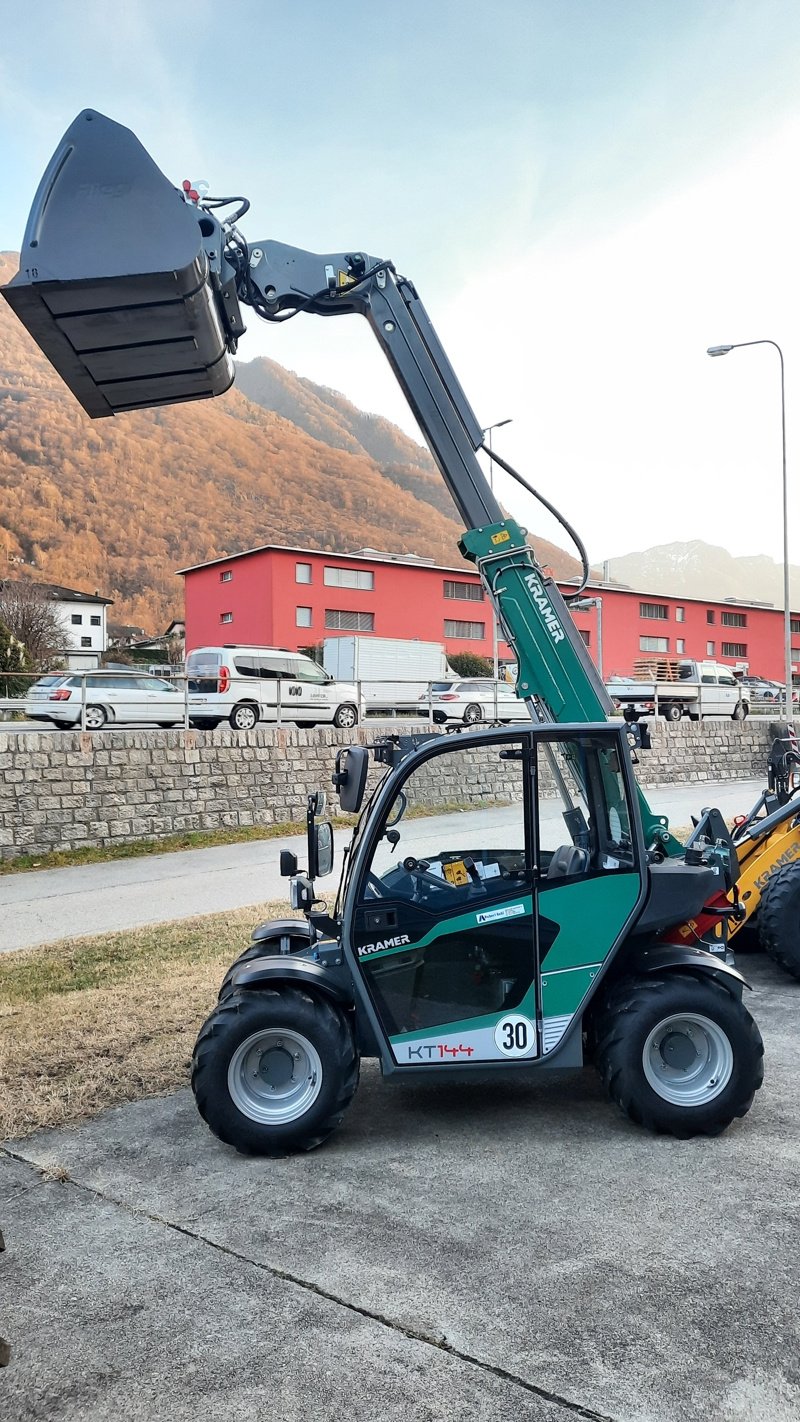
point(472, 714)
point(274, 1071)
point(679, 1054)
point(740, 711)
point(346, 718)
point(244, 717)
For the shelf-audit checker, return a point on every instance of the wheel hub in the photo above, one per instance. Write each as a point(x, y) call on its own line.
point(276, 1067)
point(678, 1050)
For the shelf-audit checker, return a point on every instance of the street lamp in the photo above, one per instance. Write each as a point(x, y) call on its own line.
point(488, 431)
point(582, 604)
point(787, 623)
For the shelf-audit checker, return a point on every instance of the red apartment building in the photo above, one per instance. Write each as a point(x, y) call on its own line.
point(292, 597)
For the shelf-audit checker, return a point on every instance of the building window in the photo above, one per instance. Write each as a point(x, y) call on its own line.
point(86, 641)
point(226, 617)
point(710, 616)
point(469, 631)
point(680, 614)
point(709, 649)
point(226, 576)
point(586, 637)
point(734, 619)
point(96, 621)
point(657, 610)
point(795, 623)
point(302, 617)
point(464, 592)
point(734, 649)
point(654, 644)
point(302, 572)
point(340, 621)
point(77, 619)
point(680, 646)
point(349, 578)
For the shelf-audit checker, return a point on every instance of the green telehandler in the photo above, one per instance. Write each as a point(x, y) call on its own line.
point(537, 925)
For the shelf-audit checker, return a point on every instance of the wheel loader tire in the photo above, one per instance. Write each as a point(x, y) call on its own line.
point(274, 1071)
point(779, 918)
point(679, 1054)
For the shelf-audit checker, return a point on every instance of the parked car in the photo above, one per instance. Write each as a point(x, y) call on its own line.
point(114, 698)
point(243, 685)
point(473, 701)
point(761, 688)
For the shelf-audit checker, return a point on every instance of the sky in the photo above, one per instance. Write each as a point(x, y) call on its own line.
point(585, 193)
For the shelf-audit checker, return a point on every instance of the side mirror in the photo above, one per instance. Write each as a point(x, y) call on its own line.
point(350, 777)
point(323, 852)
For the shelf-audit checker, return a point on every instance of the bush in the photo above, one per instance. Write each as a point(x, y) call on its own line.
point(12, 659)
point(469, 664)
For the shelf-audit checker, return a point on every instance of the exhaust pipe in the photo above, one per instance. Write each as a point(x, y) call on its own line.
point(122, 283)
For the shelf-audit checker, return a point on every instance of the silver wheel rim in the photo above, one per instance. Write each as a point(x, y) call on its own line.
point(94, 718)
point(472, 713)
point(275, 1076)
point(346, 718)
point(245, 718)
point(687, 1059)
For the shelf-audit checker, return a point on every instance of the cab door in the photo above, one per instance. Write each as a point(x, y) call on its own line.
point(442, 922)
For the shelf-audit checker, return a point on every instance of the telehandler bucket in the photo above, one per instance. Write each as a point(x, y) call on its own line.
point(122, 283)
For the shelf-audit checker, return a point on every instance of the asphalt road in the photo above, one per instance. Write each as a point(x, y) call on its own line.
point(41, 906)
point(505, 1251)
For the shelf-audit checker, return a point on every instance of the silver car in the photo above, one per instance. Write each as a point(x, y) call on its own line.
point(112, 698)
point(474, 700)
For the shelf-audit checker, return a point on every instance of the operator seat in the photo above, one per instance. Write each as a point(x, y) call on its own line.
point(568, 859)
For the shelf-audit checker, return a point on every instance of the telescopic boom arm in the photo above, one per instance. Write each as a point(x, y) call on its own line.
point(132, 289)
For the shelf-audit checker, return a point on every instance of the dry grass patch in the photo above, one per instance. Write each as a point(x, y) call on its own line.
point(92, 1022)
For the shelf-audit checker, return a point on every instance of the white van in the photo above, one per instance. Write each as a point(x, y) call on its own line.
point(245, 685)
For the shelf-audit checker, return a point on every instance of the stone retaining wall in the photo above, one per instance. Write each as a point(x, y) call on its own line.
point(67, 789)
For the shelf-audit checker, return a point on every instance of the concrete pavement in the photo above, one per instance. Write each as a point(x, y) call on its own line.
point(42, 906)
point(511, 1250)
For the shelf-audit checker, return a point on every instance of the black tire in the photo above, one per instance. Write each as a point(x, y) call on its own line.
point(672, 712)
point(261, 950)
point(779, 918)
point(630, 1016)
point(740, 711)
point(346, 717)
point(694, 715)
point(244, 717)
point(203, 723)
point(289, 1010)
point(472, 714)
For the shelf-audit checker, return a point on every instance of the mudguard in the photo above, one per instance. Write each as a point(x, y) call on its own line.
point(331, 979)
point(663, 958)
point(274, 929)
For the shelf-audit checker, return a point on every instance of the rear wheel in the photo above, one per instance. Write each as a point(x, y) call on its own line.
point(203, 723)
point(673, 712)
point(779, 918)
point(274, 1071)
point(95, 718)
point(346, 718)
point(244, 717)
point(472, 714)
point(679, 1054)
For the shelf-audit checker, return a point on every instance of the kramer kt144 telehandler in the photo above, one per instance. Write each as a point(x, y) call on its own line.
point(555, 922)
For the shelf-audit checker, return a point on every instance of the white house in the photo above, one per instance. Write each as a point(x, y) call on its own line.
point(83, 617)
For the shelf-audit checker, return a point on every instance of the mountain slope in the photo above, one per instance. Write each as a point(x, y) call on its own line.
point(119, 504)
